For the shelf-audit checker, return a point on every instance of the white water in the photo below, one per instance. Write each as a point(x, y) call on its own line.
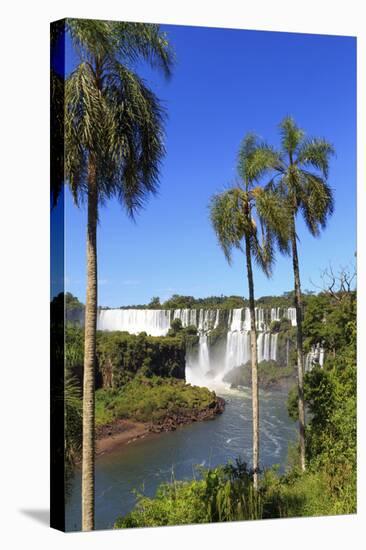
point(314, 357)
point(206, 366)
point(198, 366)
point(155, 322)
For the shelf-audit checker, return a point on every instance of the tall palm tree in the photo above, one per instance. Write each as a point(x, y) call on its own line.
point(233, 214)
point(113, 148)
point(300, 173)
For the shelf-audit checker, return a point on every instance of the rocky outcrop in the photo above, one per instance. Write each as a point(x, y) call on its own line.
point(171, 422)
point(270, 376)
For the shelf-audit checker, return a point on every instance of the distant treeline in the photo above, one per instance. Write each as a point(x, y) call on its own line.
point(178, 301)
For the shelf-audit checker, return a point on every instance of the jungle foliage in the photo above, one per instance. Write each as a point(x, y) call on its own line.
point(120, 355)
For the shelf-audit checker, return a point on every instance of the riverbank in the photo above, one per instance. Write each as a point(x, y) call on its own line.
point(121, 432)
point(134, 413)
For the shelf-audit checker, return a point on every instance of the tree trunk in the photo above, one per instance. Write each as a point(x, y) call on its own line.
point(254, 362)
point(299, 344)
point(87, 490)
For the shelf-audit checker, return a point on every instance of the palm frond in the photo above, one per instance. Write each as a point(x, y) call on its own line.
point(263, 251)
point(128, 42)
point(316, 152)
point(122, 126)
point(263, 160)
point(228, 220)
point(317, 202)
point(291, 185)
point(73, 419)
point(92, 38)
point(246, 149)
point(86, 126)
point(111, 114)
point(136, 138)
point(273, 211)
point(144, 40)
point(291, 135)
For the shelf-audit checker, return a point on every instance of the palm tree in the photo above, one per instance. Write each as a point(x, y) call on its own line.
point(113, 148)
point(300, 169)
point(233, 214)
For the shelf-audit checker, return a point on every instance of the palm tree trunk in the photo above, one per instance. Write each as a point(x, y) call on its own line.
point(87, 491)
point(299, 346)
point(254, 361)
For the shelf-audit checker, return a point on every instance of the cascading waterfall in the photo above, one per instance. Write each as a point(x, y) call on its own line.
point(155, 322)
point(237, 349)
point(197, 367)
point(202, 366)
point(314, 357)
point(274, 347)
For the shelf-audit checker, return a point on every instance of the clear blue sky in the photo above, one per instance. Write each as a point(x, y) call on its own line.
point(225, 83)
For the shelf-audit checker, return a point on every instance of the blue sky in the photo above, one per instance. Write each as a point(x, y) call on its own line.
point(225, 83)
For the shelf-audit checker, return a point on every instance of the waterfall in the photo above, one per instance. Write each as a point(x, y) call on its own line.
point(267, 346)
point(155, 322)
point(206, 363)
point(235, 322)
point(197, 366)
point(290, 314)
point(273, 355)
point(237, 349)
point(275, 314)
point(314, 357)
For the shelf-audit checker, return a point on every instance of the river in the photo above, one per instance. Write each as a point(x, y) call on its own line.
point(144, 464)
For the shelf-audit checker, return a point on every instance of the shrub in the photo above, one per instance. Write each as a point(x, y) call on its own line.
point(222, 494)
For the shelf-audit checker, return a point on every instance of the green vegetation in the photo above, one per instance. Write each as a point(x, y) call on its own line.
point(120, 355)
point(223, 494)
point(330, 396)
point(73, 424)
point(226, 494)
point(327, 487)
point(177, 329)
point(210, 302)
point(327, 321)
point(151, 399)
point(74, 352)
point(177, 301)
point(72, 302)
